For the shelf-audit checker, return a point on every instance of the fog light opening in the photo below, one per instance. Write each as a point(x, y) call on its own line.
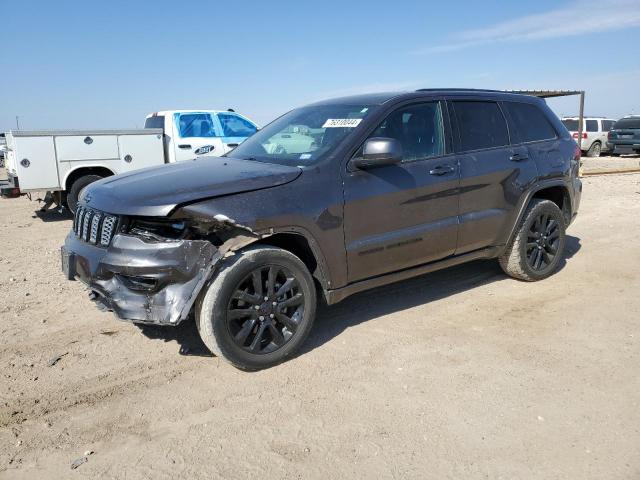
point(140, 284)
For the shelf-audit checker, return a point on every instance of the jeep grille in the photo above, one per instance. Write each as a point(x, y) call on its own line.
point(94, 227)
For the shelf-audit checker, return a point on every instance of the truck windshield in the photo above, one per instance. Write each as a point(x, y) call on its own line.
point(304, 135)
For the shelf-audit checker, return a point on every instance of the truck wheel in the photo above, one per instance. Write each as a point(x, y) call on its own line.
point(538, 246)
point(258, 310)
point(76, 188)
point(594, 150)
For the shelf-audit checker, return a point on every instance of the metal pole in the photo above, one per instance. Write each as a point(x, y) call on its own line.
point(17, 122)
point(581, 120)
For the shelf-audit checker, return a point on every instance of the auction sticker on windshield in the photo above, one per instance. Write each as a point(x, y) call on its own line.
point(342, 123)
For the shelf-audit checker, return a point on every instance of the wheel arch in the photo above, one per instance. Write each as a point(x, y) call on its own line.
point(554, 190)
point(304, 246)
point(80, 171)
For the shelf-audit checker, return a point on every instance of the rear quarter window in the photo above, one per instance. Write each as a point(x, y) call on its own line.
point(480, 124)
point(607, 125)
point(530, 124)
point(592, 125)
point(154, 122)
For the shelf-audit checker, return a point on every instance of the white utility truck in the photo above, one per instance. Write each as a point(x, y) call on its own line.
point(63, 162)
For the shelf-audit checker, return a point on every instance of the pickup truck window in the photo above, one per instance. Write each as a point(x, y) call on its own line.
point(235, 126)
point(303, 136)
point(156, 121)
point(195, 125)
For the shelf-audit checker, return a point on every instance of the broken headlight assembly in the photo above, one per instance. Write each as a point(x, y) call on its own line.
point(158, 229)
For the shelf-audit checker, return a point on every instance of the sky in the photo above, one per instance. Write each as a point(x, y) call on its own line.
point(89, 64)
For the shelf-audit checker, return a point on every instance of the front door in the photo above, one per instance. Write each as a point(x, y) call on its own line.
point(403, 215)
point(197, 135)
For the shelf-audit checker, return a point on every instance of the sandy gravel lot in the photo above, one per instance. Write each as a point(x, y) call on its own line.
point(463, 373)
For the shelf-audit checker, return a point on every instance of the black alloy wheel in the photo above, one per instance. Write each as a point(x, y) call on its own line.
point(543, 239)
point(265, 309)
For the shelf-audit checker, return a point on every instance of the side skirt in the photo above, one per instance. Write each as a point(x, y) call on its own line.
point(339, 294)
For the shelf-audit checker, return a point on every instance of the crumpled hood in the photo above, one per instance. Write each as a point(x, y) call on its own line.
point(156, 191)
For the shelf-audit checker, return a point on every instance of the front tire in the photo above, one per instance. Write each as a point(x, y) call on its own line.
point(76, 188)
point(537, 248)
point(259, 309)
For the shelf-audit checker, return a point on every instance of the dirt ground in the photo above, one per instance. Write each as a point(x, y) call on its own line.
point(463, 373)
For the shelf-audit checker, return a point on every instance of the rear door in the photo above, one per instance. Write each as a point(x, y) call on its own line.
point(234, 128)
point(493, 174)
point(197, 135)
point(403, 215)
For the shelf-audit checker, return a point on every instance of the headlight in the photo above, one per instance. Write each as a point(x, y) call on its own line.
point(158, 229)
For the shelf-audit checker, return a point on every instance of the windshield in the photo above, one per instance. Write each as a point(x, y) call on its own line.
point(571, 125)
point(304, 135)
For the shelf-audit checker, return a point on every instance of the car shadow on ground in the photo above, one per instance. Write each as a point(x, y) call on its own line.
point(333, 320)
point(53, 215)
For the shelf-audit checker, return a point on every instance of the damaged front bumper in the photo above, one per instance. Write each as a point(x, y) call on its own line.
point(141, 281)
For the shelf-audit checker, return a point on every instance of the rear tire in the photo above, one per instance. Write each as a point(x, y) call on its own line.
point(237, 319)
point(76, 188)
point(536, 250)
point(595, 150)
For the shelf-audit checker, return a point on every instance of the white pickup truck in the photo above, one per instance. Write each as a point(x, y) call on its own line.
point(63, 162)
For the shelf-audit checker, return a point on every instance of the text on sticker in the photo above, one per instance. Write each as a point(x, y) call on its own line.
point(342, 123)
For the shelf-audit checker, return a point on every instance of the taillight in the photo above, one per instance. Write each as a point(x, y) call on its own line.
point(610, 135)
point(576, 135)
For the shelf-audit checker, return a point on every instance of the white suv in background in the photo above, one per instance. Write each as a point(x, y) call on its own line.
point(594, 135)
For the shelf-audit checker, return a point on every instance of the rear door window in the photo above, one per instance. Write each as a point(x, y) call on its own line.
point(480, 124)
point(530, 124)
point(591, 125)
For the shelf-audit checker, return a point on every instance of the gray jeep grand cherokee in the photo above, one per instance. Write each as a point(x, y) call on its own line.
point(329, 199)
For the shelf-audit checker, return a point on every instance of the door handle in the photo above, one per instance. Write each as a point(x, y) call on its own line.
point(232, 145)
point(518, 157)
point(184, 146)
point(441, 170)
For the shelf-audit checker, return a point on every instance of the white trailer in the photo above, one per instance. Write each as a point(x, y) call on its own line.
point(66, 161)
point(63, 162)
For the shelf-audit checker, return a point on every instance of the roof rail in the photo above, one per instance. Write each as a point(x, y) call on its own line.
point(458, 90)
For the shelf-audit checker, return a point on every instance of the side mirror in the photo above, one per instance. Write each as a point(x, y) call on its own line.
point(378, 152)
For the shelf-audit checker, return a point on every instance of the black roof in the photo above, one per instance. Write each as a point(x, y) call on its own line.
point(380, 98)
